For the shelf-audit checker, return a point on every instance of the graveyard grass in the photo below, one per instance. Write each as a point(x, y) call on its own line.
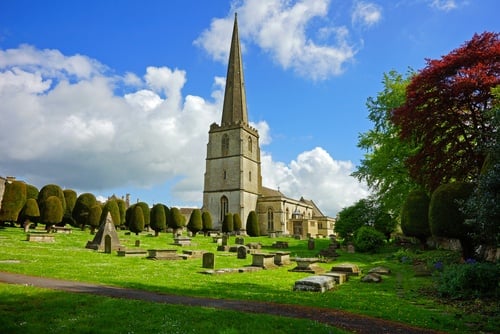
point(400, 297)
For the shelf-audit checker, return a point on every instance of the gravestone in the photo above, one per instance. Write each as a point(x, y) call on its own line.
point(314, 283)
point(137, 243)
point(242, 252)
point(208, 260)
point(107, 229)
point(310, 244)
point(350, 249)
point(225, 239)
point(240, 240)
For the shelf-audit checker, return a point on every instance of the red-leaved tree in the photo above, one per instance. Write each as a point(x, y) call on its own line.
point(447, 112)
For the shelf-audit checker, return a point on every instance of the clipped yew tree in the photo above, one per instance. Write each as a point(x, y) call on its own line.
point(446, 217)
point(14, 198)
point(176, 220)
point(29, 214)
point(206, 219)
point(82, 207)
point(111, 206)
point(227, 223)
point(252, 225)
point(51, 211)
point(95, 214)
point(52, 190)
point(195, 223)
point(31, 191)
point(70, 197)
point(136, 224)
point(145, 211)
point(415, 216)
point(158, 219)
point(122, 208)
point(237, 222)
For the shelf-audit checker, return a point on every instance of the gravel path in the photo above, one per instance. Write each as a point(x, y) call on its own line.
point(340, 319)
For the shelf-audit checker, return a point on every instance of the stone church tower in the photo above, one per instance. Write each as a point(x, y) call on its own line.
point(233, 178)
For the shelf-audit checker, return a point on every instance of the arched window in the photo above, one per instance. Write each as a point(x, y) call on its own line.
point(224, 207)
point(270, 218)
point(225, 145)
point(250, 144)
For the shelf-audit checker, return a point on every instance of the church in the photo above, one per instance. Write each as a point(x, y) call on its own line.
point(233, 179)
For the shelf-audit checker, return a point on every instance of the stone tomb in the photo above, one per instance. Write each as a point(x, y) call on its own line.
point(307, 265)
point(340, 278)
point(40, 237)
point(163, 254)
point(282, 258)
point(263, 260)
point(347, 268)
point(316, 283)
point(131, 252)
point(182, 241)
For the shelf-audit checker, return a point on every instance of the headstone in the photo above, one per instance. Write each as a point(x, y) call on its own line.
point(225, 239)
point(208, 260)
point(349, 268)
point(138, 243)
point(242, 252)
point(310, 244)
point(240, 240)
point(372, 278)
point(350, 249)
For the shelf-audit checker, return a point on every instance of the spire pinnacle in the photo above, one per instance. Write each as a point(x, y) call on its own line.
point(235, 105)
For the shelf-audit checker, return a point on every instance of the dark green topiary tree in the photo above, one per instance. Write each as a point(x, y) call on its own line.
point(70, 197)
point(252, 225)
point(158, 219)
point(52, 190)
point(122, 208)
point(227, 223)
point(95, 216)
point(368, 239)
point(195, 223)
point(51, 211)
point(415, 216)
point(136, 224)
point(176, 220)
point(31, 192)
point(446, 218)
point(81, 211)
point(237, 222)
point(13, 201)
point(111, 206)
point(145, 211)
point(206, 219)
point(29, 213)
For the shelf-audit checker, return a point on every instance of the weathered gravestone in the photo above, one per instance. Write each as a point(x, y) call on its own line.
point(314, 283)
point(310, 244)
point(240, 240)
point(242, 252)
point(208, 260)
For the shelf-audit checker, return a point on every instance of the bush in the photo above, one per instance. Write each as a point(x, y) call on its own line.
point(158, 219)
point(252, 225)
point(176, 220)
point(206, 219)
point(227, 223)
point(368, 239)
point(237, 222)
point(81, 211)
point(111, 206)
point(95, 214)
point(195, 223)
point(13, 201)
point(469, 280)
point(51, 211)
point(136, 224)
point(145, 211)
point(415, 216)
point(52, 190)
point(70, 197)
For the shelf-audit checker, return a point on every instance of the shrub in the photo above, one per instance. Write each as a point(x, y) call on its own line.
point(469, 280)
point(237, 222)
point(13, 200)
point(158, 220)
point(446, 218)
point(252, 225)
point(415, 216)
point(136, 224)
point(195, 223)
point(122, 208)
point(95, 214)
point(145, 211)
point(176, 220)
point(31, 191)
point(82, 207)
point(206, 219)
point(70, 199)
point(227, 223)
point(368, 239)
point(111, 206)
point(51, 211)
point(29, 213)
point(52, 190)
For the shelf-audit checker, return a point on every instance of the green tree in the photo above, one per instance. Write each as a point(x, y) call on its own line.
point(237, 222)
point(206, 218)
point(122, 208)
point(111, 206)
point(13, 201)
point(368, 239)
point(95, 217)
point(352, 218)
point(52, 190)
point(383, 166)
point(195, 223)
point(81, 211)
point(446, 218)
point(70, 197)
point(415, 216)
point(252, 224)
point(145, 211)
point(158, 219)
point(29, 213)
point(227, 223)
point(176, 220)
point(31, 191)
point(136, 224)
point(51, 211)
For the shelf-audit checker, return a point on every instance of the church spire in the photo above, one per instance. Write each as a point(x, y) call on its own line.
point(235, 104)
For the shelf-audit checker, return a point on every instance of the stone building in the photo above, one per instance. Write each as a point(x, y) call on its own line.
point(233, 179)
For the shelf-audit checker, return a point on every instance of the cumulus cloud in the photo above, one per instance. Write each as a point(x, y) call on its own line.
point(70, 127)
point(445, 5)
point(366, 14)
point(280, 28)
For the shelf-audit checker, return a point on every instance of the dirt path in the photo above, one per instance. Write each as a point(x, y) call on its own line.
point(340, 319)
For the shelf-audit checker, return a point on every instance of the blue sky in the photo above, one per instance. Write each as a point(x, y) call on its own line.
point(116, 97)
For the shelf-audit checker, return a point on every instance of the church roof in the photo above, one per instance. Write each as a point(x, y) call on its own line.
point(234, 110)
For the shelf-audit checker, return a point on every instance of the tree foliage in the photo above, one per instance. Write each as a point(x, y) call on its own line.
point(13, 200)
point(206, 219)
point(122, 208)
point(237, 224)
point(195, 223)
point(176, 220)
point(415, 216)
point(51, 190)
point(29, 213)
point(158, 220)
point(252, 224)
point(136, 224)
point(70, 197)
point(368, 239)
point(31, 191)
point(446, 112)
point(383, 166)
point(111, 206)
point(95, 217)
point(145, 212)
point(51, 211)
point(227, 223)
point(82, 207)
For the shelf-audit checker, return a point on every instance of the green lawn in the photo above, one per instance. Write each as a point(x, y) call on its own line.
point(397, 298)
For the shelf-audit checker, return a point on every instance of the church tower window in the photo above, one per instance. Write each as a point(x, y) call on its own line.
point(225, 145)
point(224, 207)
point(249, 144)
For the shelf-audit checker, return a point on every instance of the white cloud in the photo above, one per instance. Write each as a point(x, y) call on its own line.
point(366, 14)
point(445, 5)
point(279, 27)
point(317, 176)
